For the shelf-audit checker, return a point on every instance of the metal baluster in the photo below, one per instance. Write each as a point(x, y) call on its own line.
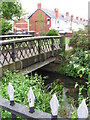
point(13, 52)
point(39, 49)
point(13, 116)
point(52, 46)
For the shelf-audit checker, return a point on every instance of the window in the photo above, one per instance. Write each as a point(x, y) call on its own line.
point(48, 21)
point(58, 21)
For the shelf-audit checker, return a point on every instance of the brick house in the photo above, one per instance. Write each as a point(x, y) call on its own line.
point(20, 26)
point(42, 20)
point(39, 21)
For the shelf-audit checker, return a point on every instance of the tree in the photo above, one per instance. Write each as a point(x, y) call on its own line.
point(9, 10)
point(80, 40)
point(5, 26)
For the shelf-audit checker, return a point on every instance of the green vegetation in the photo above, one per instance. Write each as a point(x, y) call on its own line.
point(76, 62)
point(67, 41)
point(80, 40)
point(8, 11)
point(11, 9)
point(42, 93)
point(5, 26)
point(22, 85)
point(52, 32)
point(77, 65)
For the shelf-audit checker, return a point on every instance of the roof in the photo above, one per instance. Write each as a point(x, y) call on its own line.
point(49, 13)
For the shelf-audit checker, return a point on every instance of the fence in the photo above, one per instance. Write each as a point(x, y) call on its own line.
point(24, 111)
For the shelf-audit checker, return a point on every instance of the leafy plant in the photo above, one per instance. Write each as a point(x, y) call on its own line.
point(22, 85)
point(5, 26)
point(77, 65)
point(52, 32)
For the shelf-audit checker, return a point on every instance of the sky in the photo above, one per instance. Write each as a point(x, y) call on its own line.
point(77, 8)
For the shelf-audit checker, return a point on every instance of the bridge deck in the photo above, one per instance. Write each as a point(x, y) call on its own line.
point(37, 66)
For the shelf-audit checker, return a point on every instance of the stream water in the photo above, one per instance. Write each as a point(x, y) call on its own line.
point(68, 83)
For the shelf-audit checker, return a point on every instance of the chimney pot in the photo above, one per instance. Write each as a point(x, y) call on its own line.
point(39, 6)
point(71, 18)
point(76, 18)
point(80, 19)
point(56, 12)
point(67, 13)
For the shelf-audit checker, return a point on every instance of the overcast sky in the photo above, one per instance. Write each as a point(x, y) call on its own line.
point(74, 7)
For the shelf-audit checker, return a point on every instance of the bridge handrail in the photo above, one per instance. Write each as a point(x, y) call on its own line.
point(2, 37)
point(27, 39)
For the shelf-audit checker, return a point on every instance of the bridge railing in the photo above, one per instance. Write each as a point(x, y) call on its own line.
point(18, 49)
point(8, 37)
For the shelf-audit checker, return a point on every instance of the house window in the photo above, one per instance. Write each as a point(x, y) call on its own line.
point(63, 16)
point(48, 21)
point(58, 21)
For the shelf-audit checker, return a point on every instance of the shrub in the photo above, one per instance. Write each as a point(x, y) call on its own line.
point(52, 32)
point(78, 65)
point(80, 40)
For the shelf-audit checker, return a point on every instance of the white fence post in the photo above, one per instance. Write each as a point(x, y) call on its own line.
point(31, 99)
point(11, 94)
point(54, 104)
point(82, 111)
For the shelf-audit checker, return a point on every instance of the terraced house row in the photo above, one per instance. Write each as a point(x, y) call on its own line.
point(42, 20)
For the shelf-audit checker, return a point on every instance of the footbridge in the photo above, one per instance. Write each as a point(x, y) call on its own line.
point(28, 54)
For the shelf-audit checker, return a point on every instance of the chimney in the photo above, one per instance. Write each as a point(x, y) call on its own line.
point(71, 18)
point(80, 19)
point(76, 18)
point(67, 14)
point(56, 12)
point(39, 6)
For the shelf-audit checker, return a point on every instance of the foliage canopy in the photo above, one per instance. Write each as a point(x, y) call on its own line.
point(5, 26)
point(11, 9)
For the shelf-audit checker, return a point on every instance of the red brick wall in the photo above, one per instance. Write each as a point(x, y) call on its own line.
point(22, 24)
point(38, 22)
